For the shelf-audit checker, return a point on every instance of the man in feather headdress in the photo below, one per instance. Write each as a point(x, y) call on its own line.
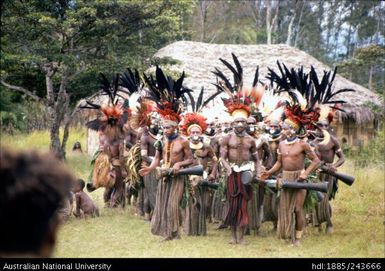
point(220, 203)
point(110, 124)
point(292, 151)
point(193, 126)
point(173, 150)
point(239, 153)
point(326, 144)
point(327, 147)
point(131, 81)
point(255, 205)
point(143, 118)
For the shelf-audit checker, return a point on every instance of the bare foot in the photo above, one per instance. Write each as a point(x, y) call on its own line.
point(296, 243)
point(329, 229)
point(176, 236)
point(166, 239)
point(243, 242)
point(233, 241)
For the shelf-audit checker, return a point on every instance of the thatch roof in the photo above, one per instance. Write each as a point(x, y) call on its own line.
point(198, 59)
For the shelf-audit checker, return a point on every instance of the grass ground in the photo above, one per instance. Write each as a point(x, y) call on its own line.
point(358, 222)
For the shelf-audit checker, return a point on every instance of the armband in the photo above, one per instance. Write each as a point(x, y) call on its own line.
point(158, 145)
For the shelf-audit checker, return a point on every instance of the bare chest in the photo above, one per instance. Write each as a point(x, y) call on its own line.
point(240, 143)
point(200, 153)
point(325, 147)
point(174, 147)
point(290, 150)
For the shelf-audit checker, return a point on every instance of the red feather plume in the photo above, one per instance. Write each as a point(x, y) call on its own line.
point(193, 118)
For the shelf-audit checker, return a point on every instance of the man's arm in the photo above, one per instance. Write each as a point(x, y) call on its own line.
point(144, 145)
point(78, 203)
point(187, 157)
point(338, 151)
point(277, 166)
point(214, 144)
point(146, 170)
point(224, 153)
point(314, 161)
point(214, 162)
point(255, 157)
point(266, 153)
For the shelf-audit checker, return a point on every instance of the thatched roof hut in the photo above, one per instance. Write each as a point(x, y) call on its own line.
point(356, 126)
point(198, 60)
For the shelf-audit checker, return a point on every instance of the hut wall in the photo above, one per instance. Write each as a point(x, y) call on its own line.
point(353, 135)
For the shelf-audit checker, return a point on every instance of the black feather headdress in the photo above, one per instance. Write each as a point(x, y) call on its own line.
point(240, 98)
point(308, 95)
point(168, 95)
point(116, 111)
point(194, 117)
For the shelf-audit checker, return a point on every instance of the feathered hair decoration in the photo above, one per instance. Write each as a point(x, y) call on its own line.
point(131, 81)
point(169, 95)
point(325, 93)
point(240, 98)
point(306, 93)
point(142, 114)
point(195, 118)
point(297, 86)
point(272, 106)
point(115, 112)
point(199, 104)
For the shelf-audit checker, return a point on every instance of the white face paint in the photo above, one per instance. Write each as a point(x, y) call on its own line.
point(196, 137)
point(288, 130)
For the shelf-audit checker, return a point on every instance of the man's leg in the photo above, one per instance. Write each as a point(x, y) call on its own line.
point(242, 230)
point(233, 240)
point(299, 216)
point(329, 224)
point(118, 195)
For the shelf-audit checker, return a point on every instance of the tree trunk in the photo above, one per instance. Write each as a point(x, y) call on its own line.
point(67, 122)
point(336, 35)
point(290, 28)
point(370, 82)
point(268, 22)
point(349, 38)
point(274, 24)
point(299, 25)
point(56, 108)
point(50, 70)
point(254, 7)
point(203, 6)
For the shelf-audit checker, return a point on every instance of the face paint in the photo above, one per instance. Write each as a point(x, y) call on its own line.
point(154, 129)
point(196, 138)
point(274, 131)
point(227, 130)
point(210, 131)
point(288, 130)
point(239, 125)
point(250, 130)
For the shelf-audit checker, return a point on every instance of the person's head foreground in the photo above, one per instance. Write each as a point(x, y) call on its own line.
point(33, 187)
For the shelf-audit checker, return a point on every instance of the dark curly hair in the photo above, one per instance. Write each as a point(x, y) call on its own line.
point(32, 189)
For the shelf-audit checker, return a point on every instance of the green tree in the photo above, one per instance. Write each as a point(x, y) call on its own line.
point(63, 44)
